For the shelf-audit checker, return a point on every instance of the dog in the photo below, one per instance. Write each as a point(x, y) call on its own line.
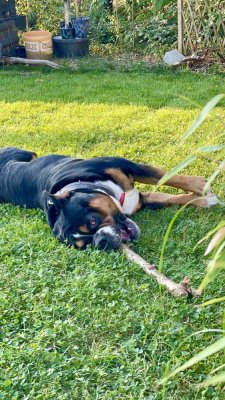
point(90, 201)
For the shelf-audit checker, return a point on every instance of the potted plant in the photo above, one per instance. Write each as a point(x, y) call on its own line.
point(73, 39)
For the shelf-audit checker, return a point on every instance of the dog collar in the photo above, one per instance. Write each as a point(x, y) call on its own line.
point(125, 201)
point(84, 187)
point(122, 198)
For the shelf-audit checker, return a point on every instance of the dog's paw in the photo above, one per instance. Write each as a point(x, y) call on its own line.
point(206, 201)
point(195, 184)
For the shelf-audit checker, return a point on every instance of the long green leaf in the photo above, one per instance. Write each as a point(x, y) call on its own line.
point(208, 351)
point(217, 369)
point(212, 301)
point(216, 240)
point(217, 263)
point(210, 233)
point(180, 346)
point(214, 380)
point(203, 115)
point(214, 175)
point(175, 170)
point(209, 149)
point(166, 236)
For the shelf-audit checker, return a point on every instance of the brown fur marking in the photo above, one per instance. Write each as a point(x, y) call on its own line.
point(151, 175)
point(105, 205)
point(84, 229)
point(80, 243)
point(126, 182)
point(34, 156)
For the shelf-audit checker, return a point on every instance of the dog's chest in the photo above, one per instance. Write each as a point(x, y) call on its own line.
point(127, 201)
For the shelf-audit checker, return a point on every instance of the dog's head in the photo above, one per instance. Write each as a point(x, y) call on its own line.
point(90, 217)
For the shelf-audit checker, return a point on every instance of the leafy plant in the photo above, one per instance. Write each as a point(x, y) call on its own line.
point(159, 4)
point(42, 14)
point(216, 262)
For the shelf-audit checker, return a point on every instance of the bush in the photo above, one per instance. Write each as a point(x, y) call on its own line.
point(42, 14)
point(134, 29)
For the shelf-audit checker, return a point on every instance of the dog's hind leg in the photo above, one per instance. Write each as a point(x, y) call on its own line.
point(151, 175)
point(160, 200)
point(16, 154)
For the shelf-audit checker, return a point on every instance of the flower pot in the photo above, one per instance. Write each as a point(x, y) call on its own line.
point(38, 44)
point(81, 27)
point(70, 48)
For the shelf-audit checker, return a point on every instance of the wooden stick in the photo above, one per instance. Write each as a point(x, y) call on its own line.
point(186, 60)
point(67, 12)
point(176, 289)
point(192, 59)
point(18, 60)
point(180, 25)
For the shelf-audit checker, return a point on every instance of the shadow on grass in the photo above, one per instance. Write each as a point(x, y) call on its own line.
point(102, 82)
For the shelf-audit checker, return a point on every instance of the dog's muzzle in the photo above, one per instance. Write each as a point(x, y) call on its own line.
point(110, 237)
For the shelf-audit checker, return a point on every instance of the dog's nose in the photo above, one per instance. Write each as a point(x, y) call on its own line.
point(107, 238)
point(103, 243)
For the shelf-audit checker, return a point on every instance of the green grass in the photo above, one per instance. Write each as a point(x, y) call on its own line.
point(91, 325)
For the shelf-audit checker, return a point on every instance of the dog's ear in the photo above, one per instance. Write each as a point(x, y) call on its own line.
point(52, 206)
point(51, 201)
point(56, 201)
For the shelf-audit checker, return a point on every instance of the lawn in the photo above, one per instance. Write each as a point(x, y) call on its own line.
point(91, 325)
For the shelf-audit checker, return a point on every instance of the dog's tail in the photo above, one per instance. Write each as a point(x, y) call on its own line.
point(16, 154)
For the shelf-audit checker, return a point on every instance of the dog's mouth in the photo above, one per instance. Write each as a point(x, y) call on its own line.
point(129, 231)
point(110, 237)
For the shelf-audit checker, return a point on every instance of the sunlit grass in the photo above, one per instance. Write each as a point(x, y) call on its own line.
point(90, 325)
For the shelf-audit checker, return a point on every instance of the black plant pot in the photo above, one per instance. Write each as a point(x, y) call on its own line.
point(70, 48)
point(20, 51)
point(80, 26)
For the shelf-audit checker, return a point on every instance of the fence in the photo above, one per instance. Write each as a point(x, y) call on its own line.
point(201, 24)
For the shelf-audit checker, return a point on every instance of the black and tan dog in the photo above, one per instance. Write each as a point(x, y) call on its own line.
point(89, 201)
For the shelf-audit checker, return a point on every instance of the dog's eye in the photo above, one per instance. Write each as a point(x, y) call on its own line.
point(93, 221)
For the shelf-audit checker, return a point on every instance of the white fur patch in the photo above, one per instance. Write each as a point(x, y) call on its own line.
point(131, 201)
point(212, 200)
point(107, 229)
